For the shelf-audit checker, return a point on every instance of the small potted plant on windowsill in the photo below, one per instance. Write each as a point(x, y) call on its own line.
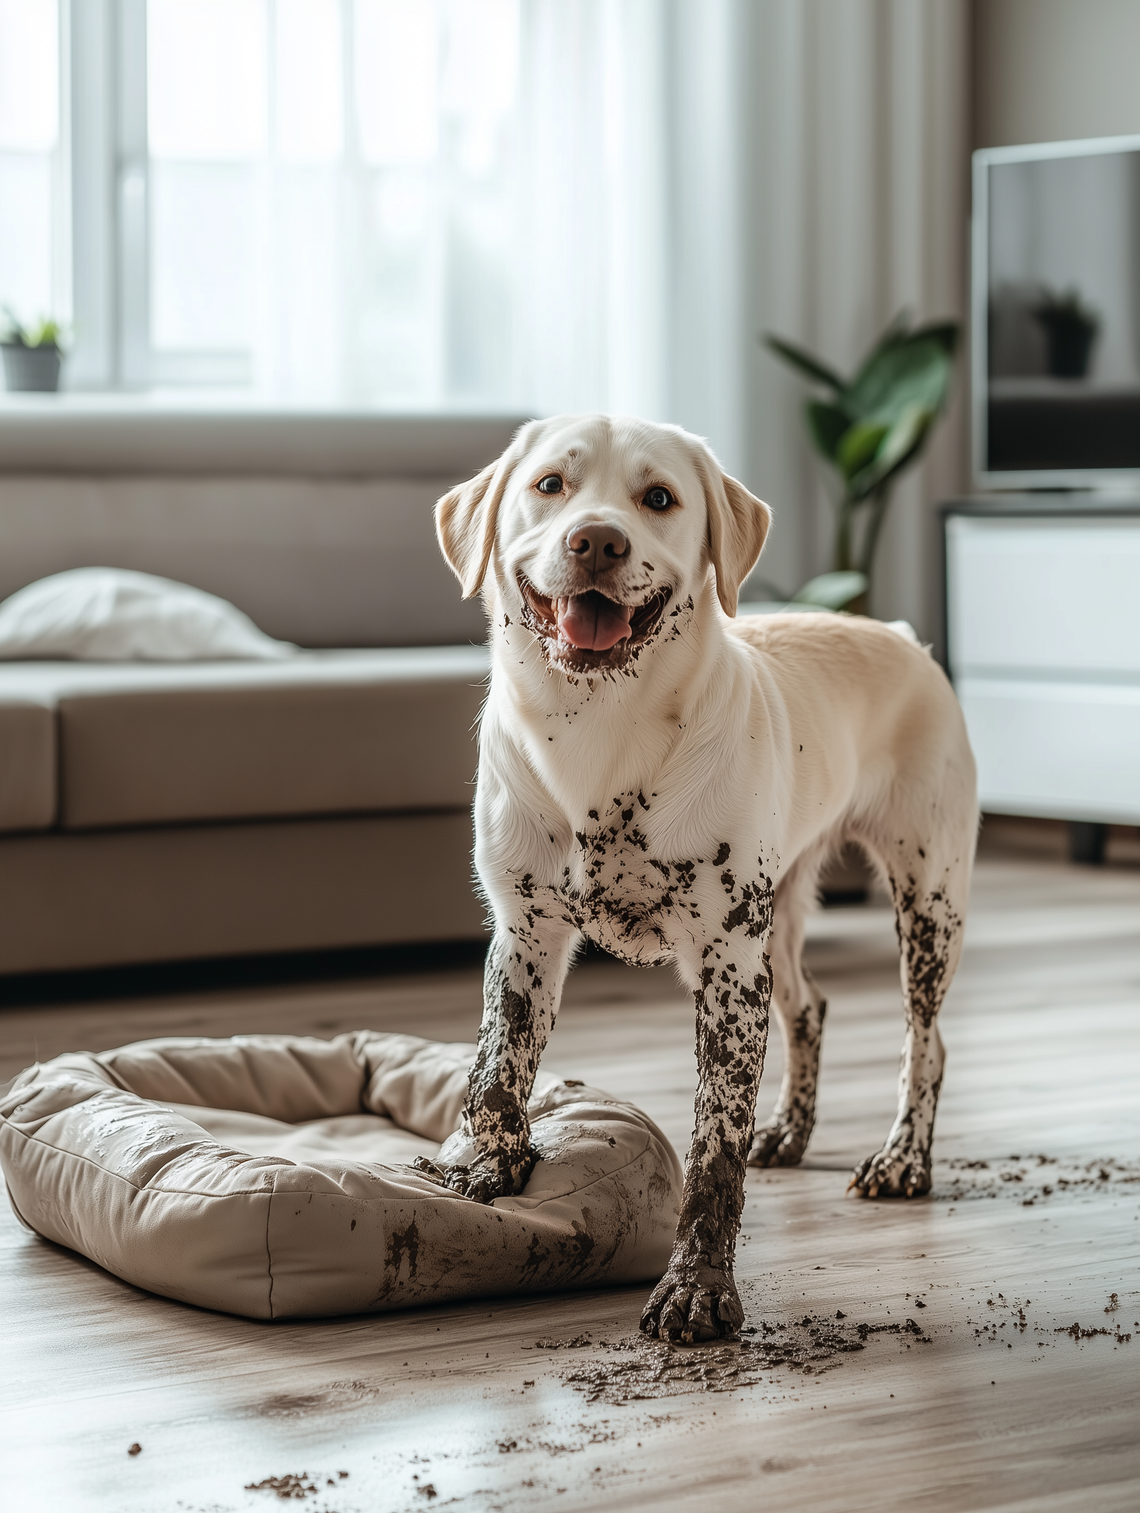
point(33, 355)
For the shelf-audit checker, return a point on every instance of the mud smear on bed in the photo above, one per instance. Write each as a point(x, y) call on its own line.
point(1032, 1179)
point(635, 1369)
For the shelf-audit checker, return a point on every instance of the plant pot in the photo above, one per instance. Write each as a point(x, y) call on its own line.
point(1068, 341)
point(31, 369)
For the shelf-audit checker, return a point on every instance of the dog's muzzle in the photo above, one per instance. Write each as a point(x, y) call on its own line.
point(590, 630)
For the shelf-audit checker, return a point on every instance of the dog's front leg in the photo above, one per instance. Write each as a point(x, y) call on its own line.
point(697, 1299)
point(491, 1156)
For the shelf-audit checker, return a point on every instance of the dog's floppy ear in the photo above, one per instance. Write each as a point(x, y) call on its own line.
point(467, 517)
point(465, 525)
point(738, 524)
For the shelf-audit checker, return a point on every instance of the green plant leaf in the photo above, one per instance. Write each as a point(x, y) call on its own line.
point(832, 590)
point(805, 363)
point(912, 371)
point(827, 425)
point(858, 446)
point(45, 333)
point(896, 448)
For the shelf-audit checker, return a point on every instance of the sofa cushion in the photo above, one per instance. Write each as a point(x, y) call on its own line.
point(28, 774)
point(320, 526)
point(324, 733)
point(77, 899)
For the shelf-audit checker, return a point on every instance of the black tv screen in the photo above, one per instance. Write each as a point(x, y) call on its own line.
point(1056, 313)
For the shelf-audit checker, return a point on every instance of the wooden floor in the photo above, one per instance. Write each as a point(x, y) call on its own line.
point(456, 1407)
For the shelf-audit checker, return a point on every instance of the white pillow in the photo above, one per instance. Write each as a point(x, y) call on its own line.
point(109, 614)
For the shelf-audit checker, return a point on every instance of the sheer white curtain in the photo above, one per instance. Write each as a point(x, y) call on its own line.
point(593, 240)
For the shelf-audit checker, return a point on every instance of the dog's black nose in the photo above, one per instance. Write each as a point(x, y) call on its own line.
point(597, 546)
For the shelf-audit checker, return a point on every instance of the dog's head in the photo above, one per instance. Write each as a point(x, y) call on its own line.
point(589, 526)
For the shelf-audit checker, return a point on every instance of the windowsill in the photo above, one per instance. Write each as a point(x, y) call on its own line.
point(226, 433)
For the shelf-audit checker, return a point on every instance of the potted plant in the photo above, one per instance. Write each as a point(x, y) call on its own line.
point(869, 428)
point(1070, 328)
point(32, 354)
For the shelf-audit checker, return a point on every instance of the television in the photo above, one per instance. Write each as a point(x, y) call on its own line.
point(1055, 317)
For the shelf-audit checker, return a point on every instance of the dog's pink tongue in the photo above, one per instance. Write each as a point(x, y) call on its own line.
point(592, 622)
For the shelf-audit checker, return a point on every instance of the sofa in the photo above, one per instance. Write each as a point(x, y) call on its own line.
point(156, 812)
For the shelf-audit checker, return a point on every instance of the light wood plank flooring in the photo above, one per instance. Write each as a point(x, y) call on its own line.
point(456, 1407)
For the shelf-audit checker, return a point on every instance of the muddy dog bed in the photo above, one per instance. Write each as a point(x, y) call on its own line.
point(269, 1176)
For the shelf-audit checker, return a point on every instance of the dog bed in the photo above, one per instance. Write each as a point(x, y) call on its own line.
point(267, 1176)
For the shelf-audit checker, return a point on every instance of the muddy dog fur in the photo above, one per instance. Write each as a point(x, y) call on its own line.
point(667, 781)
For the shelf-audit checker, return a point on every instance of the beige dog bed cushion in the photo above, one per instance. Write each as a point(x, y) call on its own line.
point(268, 1176)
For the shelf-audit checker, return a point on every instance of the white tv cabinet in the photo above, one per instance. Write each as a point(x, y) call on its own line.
point(1043, 646)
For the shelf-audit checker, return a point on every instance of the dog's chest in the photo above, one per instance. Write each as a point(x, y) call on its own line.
point(639, 905)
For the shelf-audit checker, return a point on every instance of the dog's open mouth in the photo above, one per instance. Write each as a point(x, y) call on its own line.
point(588, 630)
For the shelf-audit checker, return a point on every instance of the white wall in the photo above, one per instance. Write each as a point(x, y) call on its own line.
point(1055, 70)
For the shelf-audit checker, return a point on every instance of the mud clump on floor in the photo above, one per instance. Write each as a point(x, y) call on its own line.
point(288, 1486)
point(1077, 1332)
point(635, 1369)
point(1031, 1179)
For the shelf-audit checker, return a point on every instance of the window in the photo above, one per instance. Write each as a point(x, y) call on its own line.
point(305, 190)
point(414, 204)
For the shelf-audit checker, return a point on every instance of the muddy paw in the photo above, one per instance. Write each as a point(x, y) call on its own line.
point(693, 1302)
point(777, 1144)
point(483, 1181)
point(892, 1174)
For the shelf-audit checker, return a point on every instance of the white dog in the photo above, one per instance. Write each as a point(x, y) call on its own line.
point(667, 781)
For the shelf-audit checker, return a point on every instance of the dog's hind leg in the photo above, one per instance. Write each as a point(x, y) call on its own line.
point(800, 1008)
point(930, 889)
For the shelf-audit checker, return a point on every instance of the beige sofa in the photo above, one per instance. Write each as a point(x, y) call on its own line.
point(165, 812)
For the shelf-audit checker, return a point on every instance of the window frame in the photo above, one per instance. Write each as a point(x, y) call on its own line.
point(106, 53)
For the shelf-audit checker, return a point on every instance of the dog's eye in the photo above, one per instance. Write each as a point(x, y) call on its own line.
point(659, 498)
point(551, 484)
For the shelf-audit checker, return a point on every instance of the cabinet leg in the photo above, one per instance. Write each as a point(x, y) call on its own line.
point(1086, 842)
